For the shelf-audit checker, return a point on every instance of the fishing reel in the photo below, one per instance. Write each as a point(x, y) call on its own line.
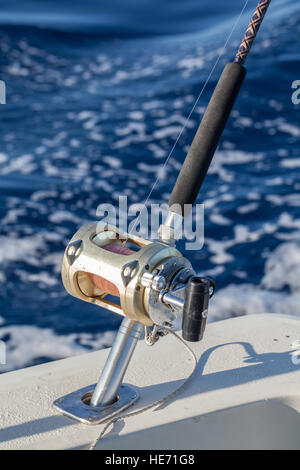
point(148, 282)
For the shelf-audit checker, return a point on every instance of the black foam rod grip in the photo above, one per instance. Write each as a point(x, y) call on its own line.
point(206, 140)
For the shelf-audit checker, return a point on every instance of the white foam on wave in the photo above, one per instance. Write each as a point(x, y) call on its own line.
point(252, 206)
point(224, 158)
point(61, 216)
point(3, 158)
point(290, 163)
point(278, 292)
point(21, 249)
point(42, 195)
point(12, 216)
point(242, 234)
point(113, 162)
point(292, 200)
point(282, 268)
point(219, 219)
point(23, 164)
point(247, 299)
point(279, 124)
point(245, 234)
point(25, 344)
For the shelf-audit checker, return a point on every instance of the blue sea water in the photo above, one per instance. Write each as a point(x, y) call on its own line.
point(97, 93)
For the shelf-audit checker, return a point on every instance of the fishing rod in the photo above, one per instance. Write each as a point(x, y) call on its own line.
point(149, 283)
point(206, 140)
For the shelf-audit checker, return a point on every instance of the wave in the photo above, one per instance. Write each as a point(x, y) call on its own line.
point(121, 19)
point(89, 119)
point(28, 345)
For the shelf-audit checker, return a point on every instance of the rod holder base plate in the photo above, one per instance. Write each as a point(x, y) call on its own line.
point(75, 405)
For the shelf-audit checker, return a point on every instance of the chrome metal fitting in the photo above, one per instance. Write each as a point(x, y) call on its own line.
point(154, 281)
point(166, 231)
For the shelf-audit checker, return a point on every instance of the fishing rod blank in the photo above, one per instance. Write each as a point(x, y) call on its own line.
point(206, 140)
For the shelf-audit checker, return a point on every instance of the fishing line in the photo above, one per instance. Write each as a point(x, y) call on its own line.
point(193, 109)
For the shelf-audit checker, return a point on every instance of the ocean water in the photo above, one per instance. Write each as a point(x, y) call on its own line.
point(97, 93)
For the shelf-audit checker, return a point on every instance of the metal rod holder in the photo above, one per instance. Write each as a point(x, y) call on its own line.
point(117, 362)
point(97, 403)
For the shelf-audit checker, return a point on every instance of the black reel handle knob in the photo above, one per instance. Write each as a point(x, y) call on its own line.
point(195, 308)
